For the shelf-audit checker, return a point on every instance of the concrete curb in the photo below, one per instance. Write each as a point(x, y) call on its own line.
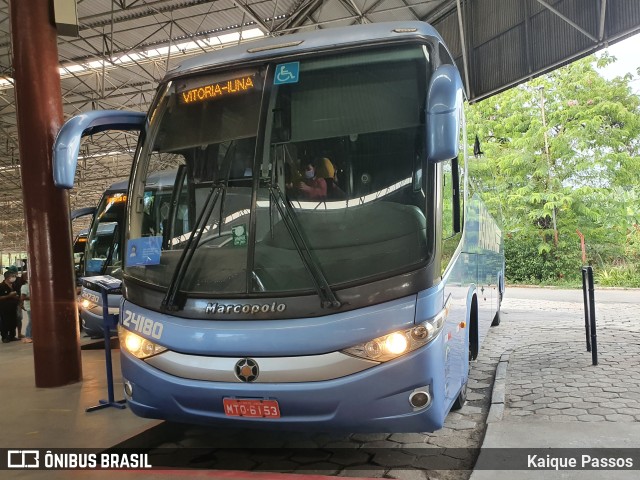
point(578, 287)
point(496, 410)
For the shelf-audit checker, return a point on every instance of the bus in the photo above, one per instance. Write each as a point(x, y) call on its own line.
point(272, 301)
point(104, 238)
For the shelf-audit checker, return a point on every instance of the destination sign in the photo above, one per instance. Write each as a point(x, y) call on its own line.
point(216, 90)
point(117, 198)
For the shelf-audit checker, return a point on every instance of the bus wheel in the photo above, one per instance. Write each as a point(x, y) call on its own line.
point(496, 318)
point(461, 398)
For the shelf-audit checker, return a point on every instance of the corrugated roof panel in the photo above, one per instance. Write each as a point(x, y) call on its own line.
point(552, 41)
point(499, 61)
point(623, 15)
point(332, 10)
point(95, 7)
point(448, 29)
point(399, 10)
point(270, 9)
point(68, 51)
point(398, 15)
point(536, 7)
point(491, 18)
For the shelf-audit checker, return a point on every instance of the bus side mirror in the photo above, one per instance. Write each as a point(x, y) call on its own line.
point(67, 144)
point(444, 106)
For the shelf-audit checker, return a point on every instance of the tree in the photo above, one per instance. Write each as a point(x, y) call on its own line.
point(562, 152)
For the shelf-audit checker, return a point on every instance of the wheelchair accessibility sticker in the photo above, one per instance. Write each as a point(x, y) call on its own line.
point(287, 73)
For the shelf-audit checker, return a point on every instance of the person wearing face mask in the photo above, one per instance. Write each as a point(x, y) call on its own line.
point(327, 170)
point(312, 187)
point(8, 307)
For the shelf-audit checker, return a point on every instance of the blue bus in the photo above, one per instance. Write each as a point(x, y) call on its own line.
point(326, 263)
point(102, 243)
point(97, 252)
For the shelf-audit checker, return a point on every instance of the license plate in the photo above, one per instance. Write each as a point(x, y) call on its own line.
point(234, 407)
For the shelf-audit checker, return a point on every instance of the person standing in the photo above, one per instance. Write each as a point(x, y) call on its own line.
point(25, 305)
point(17, 285)
point(8, 307)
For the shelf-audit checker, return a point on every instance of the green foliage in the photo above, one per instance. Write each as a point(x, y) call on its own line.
point(530, 261)
point(623, 275)
point(562, 154)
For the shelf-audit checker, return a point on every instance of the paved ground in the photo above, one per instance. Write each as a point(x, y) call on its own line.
point(547, 376)
point(550, 375)
point(553, 396)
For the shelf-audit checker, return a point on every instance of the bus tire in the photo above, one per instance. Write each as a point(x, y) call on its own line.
point(461, 399)
point(496, 318)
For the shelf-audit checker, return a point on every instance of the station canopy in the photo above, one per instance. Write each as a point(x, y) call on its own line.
point(124, 47)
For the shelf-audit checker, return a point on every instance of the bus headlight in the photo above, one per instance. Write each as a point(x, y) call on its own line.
point(86, 304)
point(395, 344)
point(136, 345)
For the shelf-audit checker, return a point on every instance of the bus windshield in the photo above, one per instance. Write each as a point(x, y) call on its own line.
point(78, 252)
point(328, 185)
point(103, 243)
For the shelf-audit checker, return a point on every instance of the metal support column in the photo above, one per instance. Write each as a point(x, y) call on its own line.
point(39, 111)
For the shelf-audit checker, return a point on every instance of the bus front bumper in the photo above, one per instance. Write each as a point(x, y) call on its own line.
point(93, 325)
point(373, 400)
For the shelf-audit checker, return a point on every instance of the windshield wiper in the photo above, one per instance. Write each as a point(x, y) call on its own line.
point(328, 299)
point(170, 300)
point(114, 245)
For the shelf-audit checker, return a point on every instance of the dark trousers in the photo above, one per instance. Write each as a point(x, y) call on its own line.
point(8, 322)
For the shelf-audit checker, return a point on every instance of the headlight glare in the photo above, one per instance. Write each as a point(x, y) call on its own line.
point(136, 345)
point(396, 343)
point(132, 342)
point(392, 345)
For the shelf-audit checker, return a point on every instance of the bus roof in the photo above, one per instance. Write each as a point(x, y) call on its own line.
point(159, 179)
point(120, 186)
point(307, 41)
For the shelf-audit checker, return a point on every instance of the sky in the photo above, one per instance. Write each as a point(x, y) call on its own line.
point(628, 61)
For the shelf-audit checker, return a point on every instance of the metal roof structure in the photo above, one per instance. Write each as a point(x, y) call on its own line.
point(125, 47)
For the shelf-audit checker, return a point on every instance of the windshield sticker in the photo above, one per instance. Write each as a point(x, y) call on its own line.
point(216, 90)
point(239, 235)
point(95, 264)
point(287, 73)
point(143, 251)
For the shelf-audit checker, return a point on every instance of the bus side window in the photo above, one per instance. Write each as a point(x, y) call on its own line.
point(451, 218)
point(450, 199)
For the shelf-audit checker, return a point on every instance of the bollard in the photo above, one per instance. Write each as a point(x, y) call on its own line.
point(592, 318)
point(585, 296)
point(590, 313)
